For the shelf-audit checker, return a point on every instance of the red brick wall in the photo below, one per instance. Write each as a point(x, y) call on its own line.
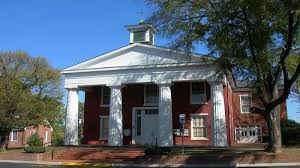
point(250, 118)
point(24, 134)
point(133, 95)
point(228, 94)
point(181, 104)
point(92, 112)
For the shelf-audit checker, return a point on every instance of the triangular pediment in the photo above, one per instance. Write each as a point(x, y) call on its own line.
point(134, 55)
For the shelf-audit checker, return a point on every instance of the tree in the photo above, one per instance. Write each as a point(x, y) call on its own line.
point(252, 40)
point(30, 92)
point(80, 120)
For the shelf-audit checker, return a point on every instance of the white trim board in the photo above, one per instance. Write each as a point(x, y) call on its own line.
point(112, 54)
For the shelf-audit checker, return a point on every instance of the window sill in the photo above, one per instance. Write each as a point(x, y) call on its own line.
point(104, 105)
point(246, 113)
point(103, 139)
point(199, 139)
point(205, 103)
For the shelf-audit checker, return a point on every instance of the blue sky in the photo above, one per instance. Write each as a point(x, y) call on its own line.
point(68, 31)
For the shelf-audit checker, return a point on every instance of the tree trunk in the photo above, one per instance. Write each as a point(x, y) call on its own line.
point(3, 143)
point(277, 145)
point(274, 128)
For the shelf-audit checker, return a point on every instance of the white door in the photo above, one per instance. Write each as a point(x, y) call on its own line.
point(145, 126)
point(247, 134)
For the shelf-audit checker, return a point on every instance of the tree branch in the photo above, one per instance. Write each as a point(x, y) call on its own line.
point(288, 46)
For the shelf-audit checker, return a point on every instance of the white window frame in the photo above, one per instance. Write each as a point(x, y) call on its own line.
point(150, 104)
point(46, 136)
point(12, 134)
point(102, 104)
point(258, 131)
point(101, 134)
point(191, 92)
point(241, 105)
point(191, 129)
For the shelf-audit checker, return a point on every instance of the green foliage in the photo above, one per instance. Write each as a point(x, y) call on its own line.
point(290, 124)
point(35, 144)
point(35, 149)
point(30, 91)
point(251, 40)
point(58, 136)
point(155, 150)
point(81, 118)
point(35, 140)
point(290, 136)
point(290, 131)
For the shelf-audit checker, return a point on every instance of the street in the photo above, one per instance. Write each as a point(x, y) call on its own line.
point(27, 165)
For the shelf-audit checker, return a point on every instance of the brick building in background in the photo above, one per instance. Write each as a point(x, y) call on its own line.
point(19, 138)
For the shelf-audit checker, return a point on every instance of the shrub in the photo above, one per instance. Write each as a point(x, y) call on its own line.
point(34, 149)
point(290, 133)
point(155, 150)
point(35, 144)
point(58, 136)
point(34, 140)
point(290, 136)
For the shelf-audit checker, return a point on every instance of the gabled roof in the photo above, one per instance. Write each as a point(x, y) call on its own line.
point(176, 56)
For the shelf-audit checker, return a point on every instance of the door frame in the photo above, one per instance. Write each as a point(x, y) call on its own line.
point(133, 121)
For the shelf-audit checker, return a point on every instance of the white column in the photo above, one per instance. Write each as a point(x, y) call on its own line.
point(165, 115)
point(71, 128)
point(219, 132)
point(115, 117)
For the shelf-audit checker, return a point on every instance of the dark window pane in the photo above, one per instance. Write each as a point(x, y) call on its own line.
point(151, 94)
point(106, 95)
point(139, 36)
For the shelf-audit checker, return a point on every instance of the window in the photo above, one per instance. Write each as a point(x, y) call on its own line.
point(248, 134)
point(197, 92)
point(139, 36)
point(46, 136)
point(151, 111)
point(14, 135)
point(199, 127)
point(245, 102)
point(151, 94)
point(138, 123)
point(105, 96)
point(103, 127)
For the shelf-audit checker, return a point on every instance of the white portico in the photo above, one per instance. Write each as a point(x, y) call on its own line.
point(140, 63)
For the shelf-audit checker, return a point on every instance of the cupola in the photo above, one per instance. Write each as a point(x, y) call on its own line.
point(141, 33)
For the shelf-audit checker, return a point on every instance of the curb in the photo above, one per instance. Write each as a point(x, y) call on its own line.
point(182, 165)
point(32, 162)
point(268, 164)
point(150, 165)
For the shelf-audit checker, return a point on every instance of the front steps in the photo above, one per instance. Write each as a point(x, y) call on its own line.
point(91, 154)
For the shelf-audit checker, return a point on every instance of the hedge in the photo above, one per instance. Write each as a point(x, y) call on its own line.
point(290, 136)
point(35, 149)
